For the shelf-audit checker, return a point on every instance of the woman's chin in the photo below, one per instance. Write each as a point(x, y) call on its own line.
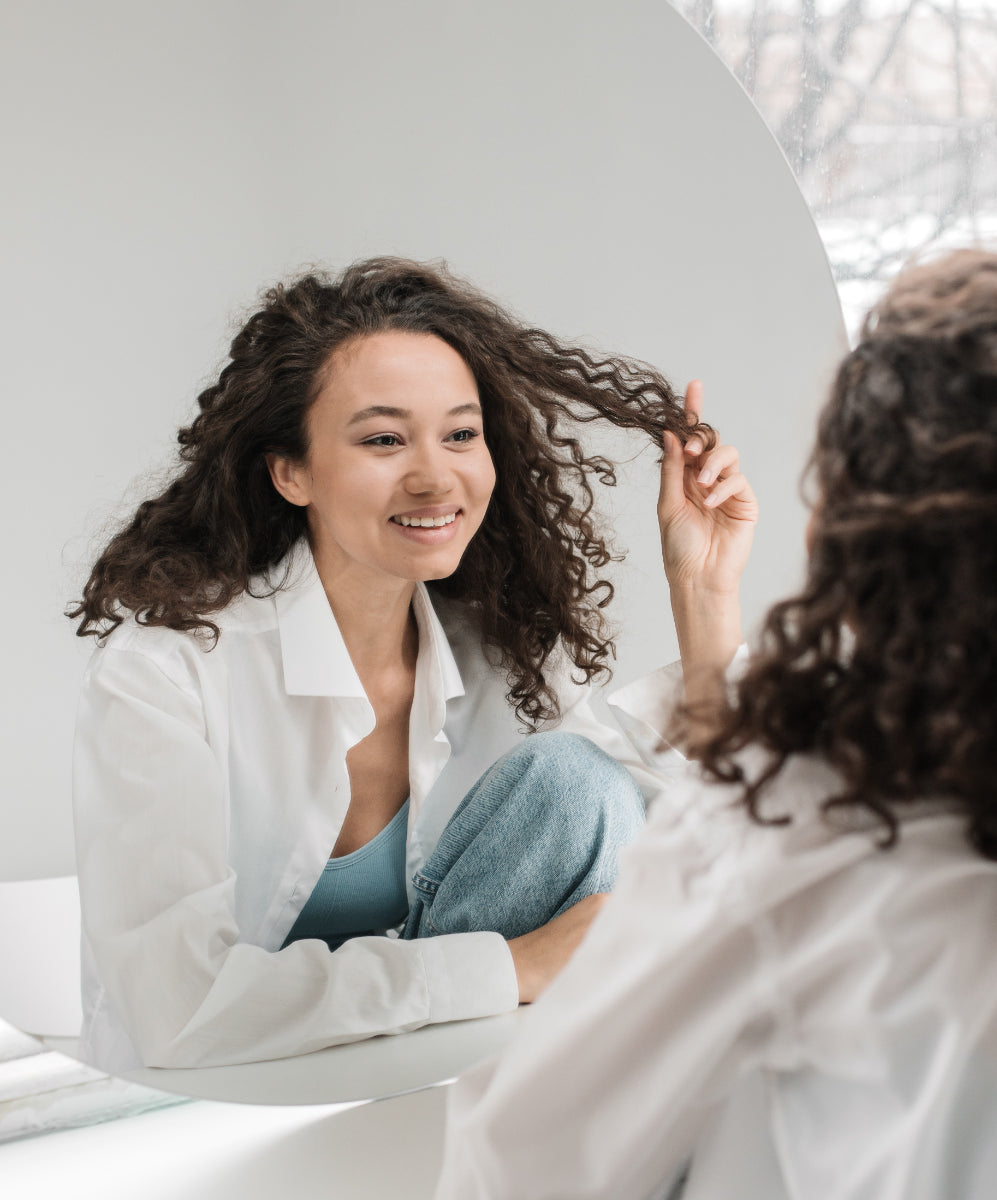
point(436, 566)
point(429, 572)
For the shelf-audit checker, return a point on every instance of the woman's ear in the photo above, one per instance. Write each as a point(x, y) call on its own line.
point(810, 532)
point(289, 478)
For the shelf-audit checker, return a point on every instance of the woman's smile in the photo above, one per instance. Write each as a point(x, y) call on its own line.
point(427, 519)
point(430, 535)
point(429, 526)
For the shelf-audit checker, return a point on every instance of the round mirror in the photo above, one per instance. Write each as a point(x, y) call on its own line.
point(594, 167)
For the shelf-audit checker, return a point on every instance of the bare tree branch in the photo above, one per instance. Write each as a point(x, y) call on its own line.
point(862, 94)
point(888, 118)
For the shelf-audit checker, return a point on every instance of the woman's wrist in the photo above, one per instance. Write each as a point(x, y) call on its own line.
point(707, 624)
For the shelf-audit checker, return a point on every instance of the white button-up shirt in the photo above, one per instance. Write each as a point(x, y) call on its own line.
point(809, 1017)
point(209, 789)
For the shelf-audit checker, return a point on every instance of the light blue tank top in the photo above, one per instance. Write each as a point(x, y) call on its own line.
point(360, 893)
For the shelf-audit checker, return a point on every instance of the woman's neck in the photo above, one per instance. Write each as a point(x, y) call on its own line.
point(377, 624)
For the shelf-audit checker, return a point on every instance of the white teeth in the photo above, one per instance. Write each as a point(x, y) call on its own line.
point(425, 522)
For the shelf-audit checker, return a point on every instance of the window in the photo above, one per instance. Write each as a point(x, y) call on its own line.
point(885, 111)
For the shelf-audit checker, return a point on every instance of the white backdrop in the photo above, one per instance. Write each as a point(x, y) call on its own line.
point(592, 165)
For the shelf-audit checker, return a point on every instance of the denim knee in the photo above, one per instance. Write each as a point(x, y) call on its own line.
point(580, 778)
point(539, 831)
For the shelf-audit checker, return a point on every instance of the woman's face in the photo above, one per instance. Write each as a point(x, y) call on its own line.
point(397, 477)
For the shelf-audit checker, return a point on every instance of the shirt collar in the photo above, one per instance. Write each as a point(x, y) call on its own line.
point(315, 659)
point(436, 659)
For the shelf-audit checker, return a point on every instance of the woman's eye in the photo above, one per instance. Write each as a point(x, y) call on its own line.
point(464, 435)
point(383, 439)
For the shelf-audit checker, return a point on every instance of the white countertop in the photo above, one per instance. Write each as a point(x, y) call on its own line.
point(299, 1127)
point(205, 1150)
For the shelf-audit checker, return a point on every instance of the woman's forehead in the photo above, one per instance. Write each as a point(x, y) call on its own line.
point(397, 369)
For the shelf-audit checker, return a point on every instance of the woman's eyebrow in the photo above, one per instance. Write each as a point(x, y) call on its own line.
point(386, 410)
point(378, 410)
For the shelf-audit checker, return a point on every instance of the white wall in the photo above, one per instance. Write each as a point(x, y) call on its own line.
point(591, 164)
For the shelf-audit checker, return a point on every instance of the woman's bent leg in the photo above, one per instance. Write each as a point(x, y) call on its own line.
point(539, 831)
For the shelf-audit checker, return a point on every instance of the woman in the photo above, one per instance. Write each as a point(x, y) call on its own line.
point(794, 983)
point(288, 745)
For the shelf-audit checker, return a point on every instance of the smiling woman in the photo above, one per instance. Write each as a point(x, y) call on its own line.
point(288, 747)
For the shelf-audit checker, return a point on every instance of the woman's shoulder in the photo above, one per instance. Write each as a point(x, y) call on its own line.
point(250, 611)
point(799, 843)
point(181, 653)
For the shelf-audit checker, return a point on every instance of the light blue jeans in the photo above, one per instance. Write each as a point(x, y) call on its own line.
point(538, 832)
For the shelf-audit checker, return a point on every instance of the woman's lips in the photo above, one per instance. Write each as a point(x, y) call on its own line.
point(431, 534)
point(425, 521)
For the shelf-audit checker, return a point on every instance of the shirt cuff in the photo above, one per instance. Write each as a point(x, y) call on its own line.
point(469, 975)
point(645, 710)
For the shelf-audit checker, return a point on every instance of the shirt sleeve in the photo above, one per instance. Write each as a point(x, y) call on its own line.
point(623, 1060)
point(633, 740)
point(158, 904)
point(646, 711)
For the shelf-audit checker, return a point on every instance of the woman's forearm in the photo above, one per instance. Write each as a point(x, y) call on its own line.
point(708, 626)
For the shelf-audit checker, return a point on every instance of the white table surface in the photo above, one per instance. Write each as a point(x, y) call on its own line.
point(205, 1150)
point(294, 1128)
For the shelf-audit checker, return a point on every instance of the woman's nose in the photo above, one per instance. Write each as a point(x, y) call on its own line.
point(430, 471)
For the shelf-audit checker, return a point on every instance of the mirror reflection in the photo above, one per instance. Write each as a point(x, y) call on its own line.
point(255, 186)
point(376, 557)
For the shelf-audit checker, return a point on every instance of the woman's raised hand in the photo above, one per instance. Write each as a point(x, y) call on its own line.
point(706, 511)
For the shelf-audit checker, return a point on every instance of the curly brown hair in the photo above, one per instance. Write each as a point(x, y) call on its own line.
point(885, 664)
point(530, 571)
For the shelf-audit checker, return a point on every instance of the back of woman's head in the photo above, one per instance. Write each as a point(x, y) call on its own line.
point(886, 663)
point(913, 411)
point(529, 571)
